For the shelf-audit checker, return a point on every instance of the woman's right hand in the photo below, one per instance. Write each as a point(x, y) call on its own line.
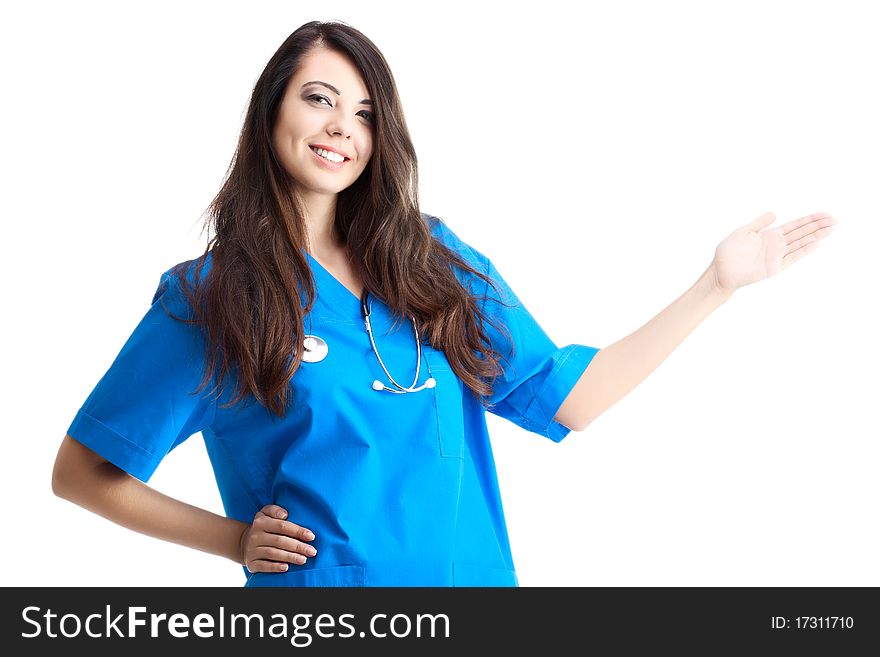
point(271, 542)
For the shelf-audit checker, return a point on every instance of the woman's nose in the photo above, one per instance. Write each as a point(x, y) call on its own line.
point(339, 126)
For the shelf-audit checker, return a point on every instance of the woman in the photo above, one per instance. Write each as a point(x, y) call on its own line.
point(290, 342)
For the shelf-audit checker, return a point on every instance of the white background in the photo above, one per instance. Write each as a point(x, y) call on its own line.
point(597, 158)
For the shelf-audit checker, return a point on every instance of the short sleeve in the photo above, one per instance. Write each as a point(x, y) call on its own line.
point(145, 404)
point(538, 375)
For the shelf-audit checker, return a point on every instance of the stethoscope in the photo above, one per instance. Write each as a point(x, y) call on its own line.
point(316, 350)
point(378, 385)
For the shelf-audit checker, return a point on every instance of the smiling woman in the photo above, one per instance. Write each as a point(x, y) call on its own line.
point(321, 251)
point(336, 132)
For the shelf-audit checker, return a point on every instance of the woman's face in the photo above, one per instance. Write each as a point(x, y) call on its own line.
point(325, 104)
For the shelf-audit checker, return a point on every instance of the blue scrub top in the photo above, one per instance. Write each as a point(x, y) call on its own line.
point(399, 489)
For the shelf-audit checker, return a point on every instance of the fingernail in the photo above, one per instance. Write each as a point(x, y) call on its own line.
point(300, 559)
point(282, 514)
point(311, 551)
point(284, 566)
point(310, 536)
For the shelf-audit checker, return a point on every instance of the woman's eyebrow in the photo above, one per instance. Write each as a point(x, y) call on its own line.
point(365, 101)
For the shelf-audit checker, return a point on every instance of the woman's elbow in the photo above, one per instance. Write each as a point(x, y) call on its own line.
point(61, 476)
point(73, 464)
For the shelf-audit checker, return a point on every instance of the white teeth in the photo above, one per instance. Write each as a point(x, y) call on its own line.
point(328, 155)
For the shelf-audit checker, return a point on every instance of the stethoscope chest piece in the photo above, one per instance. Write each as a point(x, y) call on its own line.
point(315, 349)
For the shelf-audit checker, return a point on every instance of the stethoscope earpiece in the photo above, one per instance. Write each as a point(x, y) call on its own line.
point(430, 383)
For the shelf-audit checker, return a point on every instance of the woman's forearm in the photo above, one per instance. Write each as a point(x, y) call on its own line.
point(620, 367)
point(104, 489)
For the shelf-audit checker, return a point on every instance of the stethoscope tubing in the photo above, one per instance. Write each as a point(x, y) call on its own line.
point(366, 310)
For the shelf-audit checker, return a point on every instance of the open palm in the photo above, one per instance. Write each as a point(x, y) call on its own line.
point(750, 253)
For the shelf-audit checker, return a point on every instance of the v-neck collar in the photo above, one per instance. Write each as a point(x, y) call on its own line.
point(341, 300)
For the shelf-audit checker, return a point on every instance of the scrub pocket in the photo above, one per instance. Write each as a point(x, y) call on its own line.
point(449, 401)
point(348, 575)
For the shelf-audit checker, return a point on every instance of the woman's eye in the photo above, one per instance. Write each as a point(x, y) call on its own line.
point(369, 116)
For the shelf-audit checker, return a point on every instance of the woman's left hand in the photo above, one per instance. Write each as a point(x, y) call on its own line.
point(750, 253)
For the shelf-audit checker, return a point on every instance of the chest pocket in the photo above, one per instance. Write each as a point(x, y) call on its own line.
point(449, 402)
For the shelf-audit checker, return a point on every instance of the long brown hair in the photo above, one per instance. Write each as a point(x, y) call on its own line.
point(250, 304)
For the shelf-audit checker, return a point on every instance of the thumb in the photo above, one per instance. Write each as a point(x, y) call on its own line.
point(274, 511)
point(761, 222)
